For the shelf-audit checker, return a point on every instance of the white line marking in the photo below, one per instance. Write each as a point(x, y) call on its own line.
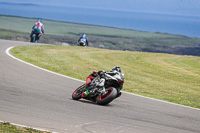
point(88, 123)
point(161, 101)
point(7, 52)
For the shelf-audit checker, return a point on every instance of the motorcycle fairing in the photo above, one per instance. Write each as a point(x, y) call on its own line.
point(89, 79)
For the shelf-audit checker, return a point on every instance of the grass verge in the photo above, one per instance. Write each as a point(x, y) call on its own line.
point(59, 33)
point(172, 78)
point(8, 128)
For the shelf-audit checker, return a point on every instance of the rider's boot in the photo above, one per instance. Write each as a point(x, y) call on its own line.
point(89, 92)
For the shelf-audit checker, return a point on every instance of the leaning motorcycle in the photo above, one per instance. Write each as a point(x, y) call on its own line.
point(103, 95)
point(35, 35)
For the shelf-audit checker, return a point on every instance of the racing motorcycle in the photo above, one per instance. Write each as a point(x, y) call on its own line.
point(35, 35)
point(103, 95)
point(82, 42)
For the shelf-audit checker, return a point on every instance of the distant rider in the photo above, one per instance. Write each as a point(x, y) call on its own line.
point(84, 37)
point(38, 29)
point(115, 73)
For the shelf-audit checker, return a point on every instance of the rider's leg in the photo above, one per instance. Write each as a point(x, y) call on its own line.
point(38, 36)
point(101, 87)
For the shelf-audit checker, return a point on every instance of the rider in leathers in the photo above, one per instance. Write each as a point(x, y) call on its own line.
point(84, 37)
point(38, 29)
point(114, 74)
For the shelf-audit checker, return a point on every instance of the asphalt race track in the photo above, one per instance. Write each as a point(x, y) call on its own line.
point(37, 98)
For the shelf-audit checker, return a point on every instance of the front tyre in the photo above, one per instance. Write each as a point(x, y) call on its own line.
point(76, 95)
point(110, 95)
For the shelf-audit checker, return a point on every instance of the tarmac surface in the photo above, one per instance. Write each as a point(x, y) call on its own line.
point(37, 98)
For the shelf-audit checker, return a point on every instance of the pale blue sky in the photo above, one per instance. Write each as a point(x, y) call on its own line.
point(180, 7)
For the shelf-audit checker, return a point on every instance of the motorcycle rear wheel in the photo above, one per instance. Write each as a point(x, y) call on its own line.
point(76, 95)
point(33, 38)
point(108, 97)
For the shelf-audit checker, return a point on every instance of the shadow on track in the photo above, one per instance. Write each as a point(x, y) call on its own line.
point(90, 102)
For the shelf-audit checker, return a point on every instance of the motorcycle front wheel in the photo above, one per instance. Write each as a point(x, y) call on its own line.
point(110, 95)
point(76, 95)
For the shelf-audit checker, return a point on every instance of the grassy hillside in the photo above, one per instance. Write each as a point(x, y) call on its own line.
point(17, 28)
point(167, 77)
point(63, 28)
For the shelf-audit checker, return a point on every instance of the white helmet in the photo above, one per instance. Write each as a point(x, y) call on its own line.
point(116, 68)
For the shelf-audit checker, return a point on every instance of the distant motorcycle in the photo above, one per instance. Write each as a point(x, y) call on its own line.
point(35, 35)
point(98, 95)
point(82, 42)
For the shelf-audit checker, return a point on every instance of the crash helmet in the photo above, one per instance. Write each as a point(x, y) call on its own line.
point(116, 68)
point(84, 35)
point(40, 20)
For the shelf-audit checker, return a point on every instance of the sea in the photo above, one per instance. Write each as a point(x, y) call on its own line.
point(188, 25)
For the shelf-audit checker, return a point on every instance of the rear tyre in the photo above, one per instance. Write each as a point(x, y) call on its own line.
point(76, 95)
point(108, 97)
point(82, 44)
point(33, 38)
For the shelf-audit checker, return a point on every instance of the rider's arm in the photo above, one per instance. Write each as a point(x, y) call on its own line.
point(42, 29)
point(111, 73)
point(34, 25)
point(108, 76)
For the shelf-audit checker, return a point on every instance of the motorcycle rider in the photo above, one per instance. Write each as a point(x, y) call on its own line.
point(115, 73)
point(84, 37)
point(38, 29)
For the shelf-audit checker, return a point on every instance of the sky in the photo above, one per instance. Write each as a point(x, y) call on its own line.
point(178, 7)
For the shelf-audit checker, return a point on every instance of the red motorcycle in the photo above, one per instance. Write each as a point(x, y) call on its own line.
point(103, 95)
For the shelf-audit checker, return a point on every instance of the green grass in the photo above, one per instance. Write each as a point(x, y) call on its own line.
point(21, 24)
point(8, 128)
point(12, 35)
point(172, 78)
point(18, 28)
point(166, 77)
